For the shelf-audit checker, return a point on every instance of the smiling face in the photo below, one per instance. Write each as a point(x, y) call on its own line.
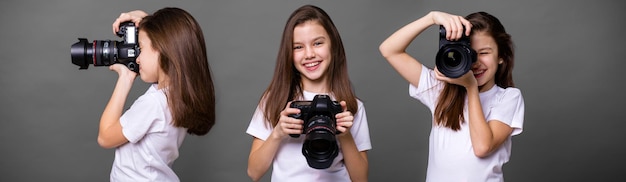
point(488, 60)
point(311, 53)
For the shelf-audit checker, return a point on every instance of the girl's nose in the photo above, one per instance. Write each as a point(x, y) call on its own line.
point(309, 53)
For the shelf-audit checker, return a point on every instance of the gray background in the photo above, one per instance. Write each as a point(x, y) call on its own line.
point(569, 68)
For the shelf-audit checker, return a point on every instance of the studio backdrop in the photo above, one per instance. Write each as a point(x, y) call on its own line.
point(568, 66)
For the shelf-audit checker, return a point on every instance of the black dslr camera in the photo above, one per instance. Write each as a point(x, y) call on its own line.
point(455, 58)
point(108, 52)
point(320, 127)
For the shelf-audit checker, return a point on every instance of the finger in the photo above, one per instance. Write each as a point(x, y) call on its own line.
point(136, 21)
point(343, 115)
point(341, 129)
point(289, 120)
point(115, 67)
point(345, 112)
point(295, 123)
point(289, 111)
point(448, 30)
point(344, 106)
point(291, 126)
point(440, 76)
point(452, 27)
point(461, 26)
point(468, 26)
point(344, 126)
point(116, 23)
point(137, 15)
point(457, 27)
point(115, 26)
point(437, 73)
point(288, 128)
point(345, 123)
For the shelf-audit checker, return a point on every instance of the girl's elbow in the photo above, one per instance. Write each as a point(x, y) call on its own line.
point(104, 143)
point(482, 151)
point(384, 51)
point(253, 175)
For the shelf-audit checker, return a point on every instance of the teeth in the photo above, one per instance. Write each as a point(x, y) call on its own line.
point(478, 73)
point(312, 64)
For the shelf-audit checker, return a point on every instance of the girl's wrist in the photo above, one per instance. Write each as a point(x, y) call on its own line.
point(276, 135)
point(344, 135)
point(472, 89)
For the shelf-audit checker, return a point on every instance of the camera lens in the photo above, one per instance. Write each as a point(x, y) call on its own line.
point(98, 53)
point(454, 60)
point(320, 141)
point(320, 145)
point(82, 52)
point(104, 54)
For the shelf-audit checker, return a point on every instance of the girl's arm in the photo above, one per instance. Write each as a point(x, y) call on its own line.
point(110, 132)
point(262, 152)
point(486, 136)
point(394, 47)
point(355, 160)
point(261, 156)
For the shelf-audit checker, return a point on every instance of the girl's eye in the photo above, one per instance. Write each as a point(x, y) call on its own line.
point(297, 47)
point(318, 43)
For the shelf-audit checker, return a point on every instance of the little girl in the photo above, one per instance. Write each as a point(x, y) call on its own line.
point(475, 115)
point(180, 100)
point(311, 61)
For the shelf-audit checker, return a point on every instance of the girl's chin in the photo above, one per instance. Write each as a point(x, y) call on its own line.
point(311, 76)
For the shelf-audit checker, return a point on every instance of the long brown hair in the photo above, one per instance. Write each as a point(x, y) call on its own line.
point(286, 84)
point(449, 110)
point(178, 38)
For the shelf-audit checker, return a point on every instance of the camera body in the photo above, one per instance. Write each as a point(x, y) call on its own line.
point(454, 58)
point(108, 52)
point(320, 127)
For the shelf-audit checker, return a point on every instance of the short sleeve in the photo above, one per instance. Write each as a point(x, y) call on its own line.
point(510, 109)
point(259, 127)
point(428, 89)
point(145, 116)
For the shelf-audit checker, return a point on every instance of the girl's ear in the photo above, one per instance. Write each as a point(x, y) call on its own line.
point(500, 60)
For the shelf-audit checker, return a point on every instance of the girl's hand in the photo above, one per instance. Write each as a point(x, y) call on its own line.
point(123, 71)
point(134, 16)
point(288, 125)
point(467, 80)
point(344, 119)
point(453, 23)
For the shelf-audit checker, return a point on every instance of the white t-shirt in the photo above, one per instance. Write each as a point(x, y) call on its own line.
point(289, 163)
point(450, 154)
point(153, 141)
